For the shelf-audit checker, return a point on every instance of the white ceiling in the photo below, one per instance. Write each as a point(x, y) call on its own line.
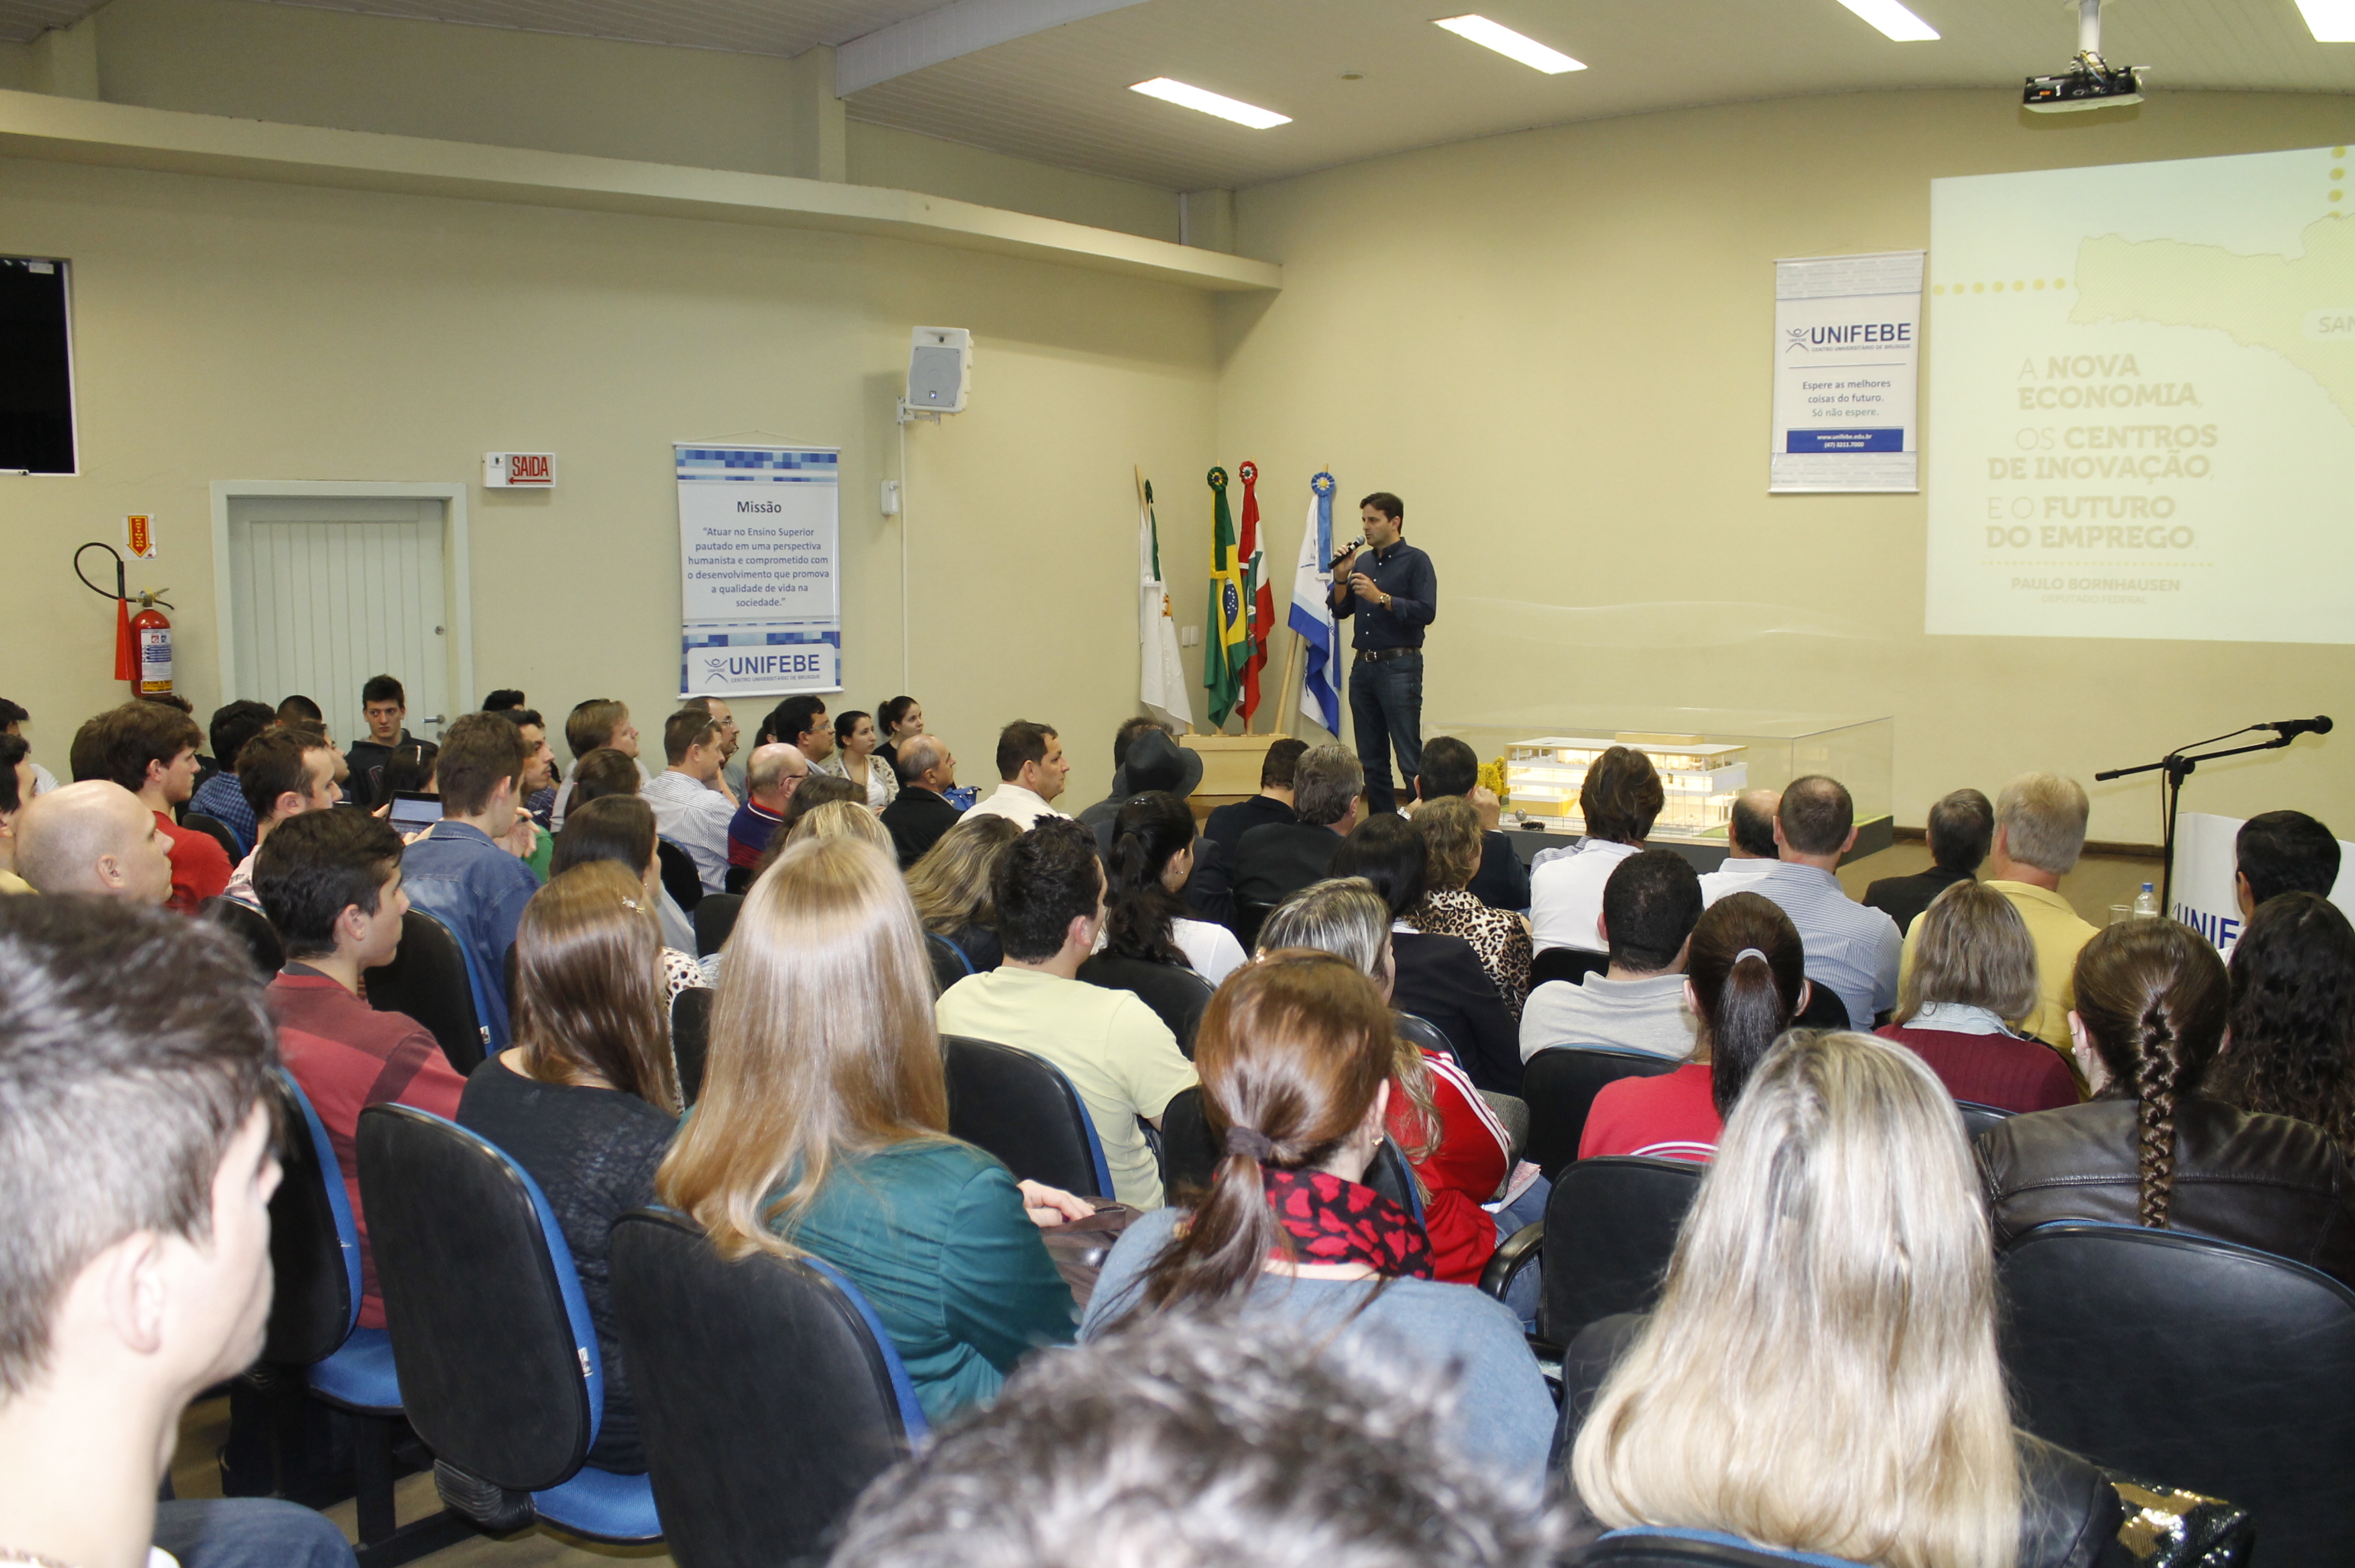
point(1061, 95)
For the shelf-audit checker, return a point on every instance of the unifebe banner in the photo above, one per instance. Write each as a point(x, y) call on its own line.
point(2203, 896)
point(1848, 341)
point(761, 600)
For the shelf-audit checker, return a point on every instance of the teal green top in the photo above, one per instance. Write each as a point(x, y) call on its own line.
point(933, 1234)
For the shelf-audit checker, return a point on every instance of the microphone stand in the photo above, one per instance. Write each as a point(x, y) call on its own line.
point(2179, 766)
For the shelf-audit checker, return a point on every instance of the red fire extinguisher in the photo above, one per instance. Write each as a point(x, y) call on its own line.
point(143, 643)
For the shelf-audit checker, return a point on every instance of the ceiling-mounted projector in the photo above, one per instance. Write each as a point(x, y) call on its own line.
point(2090, 83)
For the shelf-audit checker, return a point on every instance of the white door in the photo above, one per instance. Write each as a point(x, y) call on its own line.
point(328, 590)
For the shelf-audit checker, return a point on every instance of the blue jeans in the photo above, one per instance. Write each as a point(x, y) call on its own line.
point(1386, 711)
point(249, 1532)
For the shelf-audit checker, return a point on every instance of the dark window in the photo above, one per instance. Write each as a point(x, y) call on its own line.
point(37, 433)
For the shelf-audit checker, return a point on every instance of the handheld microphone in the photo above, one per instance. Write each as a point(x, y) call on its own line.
point(2288, 728)
point(1346, 551)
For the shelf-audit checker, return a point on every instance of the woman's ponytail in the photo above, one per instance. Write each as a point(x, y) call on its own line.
point(1747, 969)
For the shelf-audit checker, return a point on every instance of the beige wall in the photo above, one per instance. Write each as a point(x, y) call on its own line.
point(1555, 346)
point(233, 330)
point(903, 160)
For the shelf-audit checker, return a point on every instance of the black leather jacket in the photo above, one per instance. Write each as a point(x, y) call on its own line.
point(2068, 1510)
point(2269, 1183)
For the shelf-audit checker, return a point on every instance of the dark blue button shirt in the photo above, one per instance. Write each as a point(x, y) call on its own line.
point(1404, 573)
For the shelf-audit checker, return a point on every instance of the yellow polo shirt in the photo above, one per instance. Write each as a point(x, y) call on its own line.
point(2058, 933)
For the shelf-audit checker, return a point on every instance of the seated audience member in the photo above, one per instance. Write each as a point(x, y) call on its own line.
point(1460, 1153)
point(921, 812)
point(1500, 940)
point(800, 721)
point(2150, 1148)
point(151, 751)
point(822, 1129)
point(1649, 906)
point(1620, 801)
point(586, 1100)
point(1960, 829)
point(729, 780)
point(951, 886)
point(462, 872)
point(1227, 823)
point(1049, 892)
point(219, 797)
point(383, 704)
point(1974, 974)
point(504, 699)
point(540, 766)
point(136, 1235)
point(1155, 766)
point(1451, 768)
point(838, 819)
point(2040, 829)
point(1151, 857)
point(770, 776)
point(620, 828)
point(2293, 1025)
point(94, 838)
point(818, 789)
point(608, 771)
point(1750, 848)
point(13, 720)
point(330, 882)
point(15, 789)
point(1297, 1053)
point(1276, 860)
point(687, 810)
point(901, 720)
point(1837, 1257)
point(2282, 852)
point(299, 707)
point(284, 772)
point(1439, 979)
point(1031, 769)
point(601, 723)
point(1099, 816)
point(1851, 950)
point(1348, 1465)
point(1745, 979)
point(408, 769)
point(854, 759)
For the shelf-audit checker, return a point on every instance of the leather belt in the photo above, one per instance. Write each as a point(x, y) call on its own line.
point(1378, 655)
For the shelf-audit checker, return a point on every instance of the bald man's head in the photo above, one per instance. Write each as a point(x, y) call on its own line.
point(1751, 834)
point(94, 838)
point(770, 773)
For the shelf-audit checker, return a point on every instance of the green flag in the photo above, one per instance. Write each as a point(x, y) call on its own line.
point(1226, 631)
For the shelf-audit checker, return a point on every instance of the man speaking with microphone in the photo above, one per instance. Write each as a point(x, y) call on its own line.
point(1389, 586)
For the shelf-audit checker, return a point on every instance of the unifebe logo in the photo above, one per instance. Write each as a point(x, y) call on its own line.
point(1846, 335)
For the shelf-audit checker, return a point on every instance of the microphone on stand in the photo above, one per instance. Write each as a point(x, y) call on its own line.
point(2288, 728)
point(1351, 548)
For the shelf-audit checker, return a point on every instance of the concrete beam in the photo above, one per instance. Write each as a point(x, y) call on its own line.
point(960, 27)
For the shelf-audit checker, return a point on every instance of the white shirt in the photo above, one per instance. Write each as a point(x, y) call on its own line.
point(1566, 895)
point(1020, 807)
point(1957, 1018)
point(1209, 946)
point(695, 818)
point(1733, 877)
point(45, 781)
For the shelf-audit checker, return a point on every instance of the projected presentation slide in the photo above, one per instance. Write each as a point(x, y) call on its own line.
point(2142, 402)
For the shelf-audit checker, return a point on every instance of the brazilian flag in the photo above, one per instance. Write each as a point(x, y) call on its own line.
point(1226, 627)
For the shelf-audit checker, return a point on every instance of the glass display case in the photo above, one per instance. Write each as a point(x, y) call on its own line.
point(1706, 756)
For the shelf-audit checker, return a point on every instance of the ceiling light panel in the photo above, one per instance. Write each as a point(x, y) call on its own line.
point(1495, 35)
point(1893, 20)
point(2331, 21)
point(1210, 103)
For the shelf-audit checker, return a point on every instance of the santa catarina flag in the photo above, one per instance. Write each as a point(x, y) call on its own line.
point(1259, 600)
point(1225, 627)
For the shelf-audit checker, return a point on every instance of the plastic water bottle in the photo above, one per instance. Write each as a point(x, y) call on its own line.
point(2146, 902)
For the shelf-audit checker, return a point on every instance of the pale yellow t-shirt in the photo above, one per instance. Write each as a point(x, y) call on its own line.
point(10, 882)
point(2058, 933)
point(1117, 1051)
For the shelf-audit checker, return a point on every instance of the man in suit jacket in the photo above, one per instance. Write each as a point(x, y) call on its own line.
point(1451, 767)
point(1960, 829)
point(1277, 860)
point(1226, 826)
point(921, 812)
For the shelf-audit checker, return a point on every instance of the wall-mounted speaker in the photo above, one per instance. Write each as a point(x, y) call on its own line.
point(940, 369)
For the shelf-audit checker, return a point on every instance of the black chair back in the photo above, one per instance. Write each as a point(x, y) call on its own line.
point(1174, 991)
point(679, 877)
point(1978, 1118)
point(1825, 1011)
point(1570, 964)
point(738, 880)
point(427, 979)
point(1610, 1229)
point(2192, 1363)
point(493, 1376)
point(313, 1247)
point(250, 927)
point(715, 917)
point(1022, 1109)
point(1388, 1176)
point(768, 1394)
point(1644, 1548)
point(1250, 915)
point(950, 962)
point(1560, 1084)
point(691, 1038)
point(1426, 1037)
point(1189, 1155)
point(214, 829)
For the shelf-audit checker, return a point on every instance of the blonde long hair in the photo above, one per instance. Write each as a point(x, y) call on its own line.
point(1821, 1374)
point(822, 1045)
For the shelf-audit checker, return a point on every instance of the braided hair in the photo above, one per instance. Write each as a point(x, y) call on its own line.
point(2153, 999)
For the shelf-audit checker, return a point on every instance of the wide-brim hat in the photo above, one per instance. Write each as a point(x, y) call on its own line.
point(1158, 762)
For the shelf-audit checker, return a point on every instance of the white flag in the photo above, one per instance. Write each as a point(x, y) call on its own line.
point(1312, 610)
point(1161, 685)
